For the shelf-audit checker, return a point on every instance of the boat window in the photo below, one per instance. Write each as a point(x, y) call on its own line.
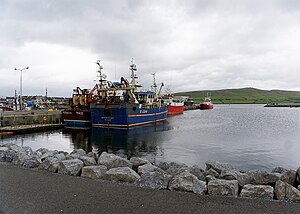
point(133, 108)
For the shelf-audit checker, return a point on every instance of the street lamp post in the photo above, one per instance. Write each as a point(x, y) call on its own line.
point(21, 99)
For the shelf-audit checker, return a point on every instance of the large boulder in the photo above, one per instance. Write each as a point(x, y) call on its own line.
point(291, 193)
point(27, 150)
point(32, 162)
point(257, 191)
point(95, 172)
point(154, 180)
point(20, 158)
point(149, 168)
point(50, 164)
point(70, 167)
point(164, 165)
point(136, 162)
point(113, 161)
point(197, 171)
point(223, 187)
point(3, 151)
point(175, 168)
point(212, 172)
point(209, 178)
point(93, 155)
point(88, 161)
point(172, 168)
point(218, 166)
point(187, 182)
point(42, 150)
point(122, 174)
point(288, 176)
point(49, 153)
point(76, 153)
point(9, 155)
point(279, 190)
point(283, 191)
point(244, 178)
point(3, 148)
point(262, 177)
point(229, 174)
point(60, 156)
point(15, 148)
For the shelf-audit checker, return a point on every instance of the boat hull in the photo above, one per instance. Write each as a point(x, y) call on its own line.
point(174, 110)
point(125, 115)
point(206, 107)
point(74, 118)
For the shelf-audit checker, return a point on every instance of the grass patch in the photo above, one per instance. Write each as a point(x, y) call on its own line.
point(245, 96)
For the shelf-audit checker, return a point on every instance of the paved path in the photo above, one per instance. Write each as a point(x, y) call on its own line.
point(33, 191)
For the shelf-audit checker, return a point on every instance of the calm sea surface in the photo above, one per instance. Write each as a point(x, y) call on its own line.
point(246, 136)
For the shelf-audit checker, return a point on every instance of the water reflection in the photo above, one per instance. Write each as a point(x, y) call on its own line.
point(138, 141)
point(80, 138)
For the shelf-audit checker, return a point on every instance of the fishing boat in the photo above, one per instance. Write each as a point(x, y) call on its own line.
point(123, 105)
point(206, 104)
point(78, 115)
point(175, 104)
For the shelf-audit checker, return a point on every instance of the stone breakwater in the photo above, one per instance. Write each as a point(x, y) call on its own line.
point(217, 179)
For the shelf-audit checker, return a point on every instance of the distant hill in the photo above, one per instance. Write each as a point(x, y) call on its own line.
point(245, 95)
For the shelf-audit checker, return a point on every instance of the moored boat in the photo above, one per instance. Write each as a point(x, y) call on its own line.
point(76, 118)
point(79, 115)
point(175, 105)
point(206, 104)
point(122, 105)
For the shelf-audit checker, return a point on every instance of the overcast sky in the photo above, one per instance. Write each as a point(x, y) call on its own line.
point(190, 45)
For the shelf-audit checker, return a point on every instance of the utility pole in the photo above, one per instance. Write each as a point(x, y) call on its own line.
point(21, 99)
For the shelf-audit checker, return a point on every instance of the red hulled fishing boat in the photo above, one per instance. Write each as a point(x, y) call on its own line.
point(175, 105)
point(206, 104)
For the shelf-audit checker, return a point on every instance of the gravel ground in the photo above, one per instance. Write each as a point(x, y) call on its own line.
point(34, 191)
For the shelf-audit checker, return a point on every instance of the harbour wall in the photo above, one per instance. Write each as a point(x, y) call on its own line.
point(289, 105)
point(193, 107)
point(22, 122)
point(34, 117)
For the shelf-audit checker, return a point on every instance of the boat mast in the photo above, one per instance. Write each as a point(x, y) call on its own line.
point(101, 76)
point(133, 69)
point(154, 84)
point(102, 80)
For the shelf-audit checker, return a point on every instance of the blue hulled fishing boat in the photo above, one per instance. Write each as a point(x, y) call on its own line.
point(123, 105)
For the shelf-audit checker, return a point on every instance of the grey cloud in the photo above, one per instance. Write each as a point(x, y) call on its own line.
point(223, 43)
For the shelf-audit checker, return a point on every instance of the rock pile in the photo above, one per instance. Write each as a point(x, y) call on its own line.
point(217, 179)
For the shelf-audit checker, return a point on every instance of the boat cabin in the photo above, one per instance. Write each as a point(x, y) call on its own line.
point(145, 97)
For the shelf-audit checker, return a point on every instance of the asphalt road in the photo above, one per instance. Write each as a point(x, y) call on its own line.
point(33, 191)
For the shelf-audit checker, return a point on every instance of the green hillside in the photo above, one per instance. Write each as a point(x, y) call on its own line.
point(245, 95)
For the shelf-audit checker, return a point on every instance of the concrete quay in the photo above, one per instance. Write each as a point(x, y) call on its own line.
point(289, 105)
point(22, 129)
point(20, 122)
point(194, 107)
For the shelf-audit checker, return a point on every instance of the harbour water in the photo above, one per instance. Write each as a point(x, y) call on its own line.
point(246, 136)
